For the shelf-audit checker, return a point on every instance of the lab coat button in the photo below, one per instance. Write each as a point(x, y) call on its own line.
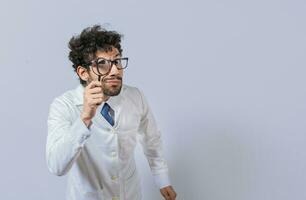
point(114, 154)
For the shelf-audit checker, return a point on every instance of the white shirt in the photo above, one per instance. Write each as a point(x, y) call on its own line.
point(99, 160)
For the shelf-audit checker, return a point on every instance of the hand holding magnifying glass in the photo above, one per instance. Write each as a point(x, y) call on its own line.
point(93, 97)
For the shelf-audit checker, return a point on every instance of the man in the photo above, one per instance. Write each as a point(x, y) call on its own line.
point(92, 130)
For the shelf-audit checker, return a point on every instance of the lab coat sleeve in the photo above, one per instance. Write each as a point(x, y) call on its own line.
point(151, 142)
point(66, 137)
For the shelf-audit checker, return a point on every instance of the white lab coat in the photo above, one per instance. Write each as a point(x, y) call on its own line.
point(99, 160)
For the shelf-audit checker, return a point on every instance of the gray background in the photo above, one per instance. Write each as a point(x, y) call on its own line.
point(225, 80)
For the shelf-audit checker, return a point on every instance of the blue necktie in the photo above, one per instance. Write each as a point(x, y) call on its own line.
point(105, 113)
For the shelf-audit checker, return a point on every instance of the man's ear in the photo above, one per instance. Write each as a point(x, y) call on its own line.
point(83, 73)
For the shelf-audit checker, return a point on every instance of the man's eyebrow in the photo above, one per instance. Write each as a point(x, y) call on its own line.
point(118, 54)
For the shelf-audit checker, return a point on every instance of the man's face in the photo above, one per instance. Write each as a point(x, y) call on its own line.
point(111, 82)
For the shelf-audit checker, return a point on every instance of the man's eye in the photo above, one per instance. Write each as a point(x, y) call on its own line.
point(101, 62)
point(116, 62)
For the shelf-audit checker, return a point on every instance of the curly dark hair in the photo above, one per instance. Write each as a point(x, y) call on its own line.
point(83, 47)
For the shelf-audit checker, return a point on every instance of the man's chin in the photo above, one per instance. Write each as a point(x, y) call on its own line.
point(112, 91)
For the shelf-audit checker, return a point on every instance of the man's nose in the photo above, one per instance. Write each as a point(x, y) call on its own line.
point(114, 70)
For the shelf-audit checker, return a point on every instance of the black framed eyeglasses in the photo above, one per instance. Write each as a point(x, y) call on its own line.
point(102, 66)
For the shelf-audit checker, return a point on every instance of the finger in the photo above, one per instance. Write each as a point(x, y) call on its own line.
point(165, 194)
point(96, 96)
point(89, 97)
point(95, 90)
point(169, 195)
point(93, 84)
point(172, 194)
point(95, 102)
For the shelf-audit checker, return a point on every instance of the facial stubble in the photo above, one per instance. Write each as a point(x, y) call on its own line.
point(111, 90)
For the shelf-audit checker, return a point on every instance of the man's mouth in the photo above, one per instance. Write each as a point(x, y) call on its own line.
point(114, 80)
